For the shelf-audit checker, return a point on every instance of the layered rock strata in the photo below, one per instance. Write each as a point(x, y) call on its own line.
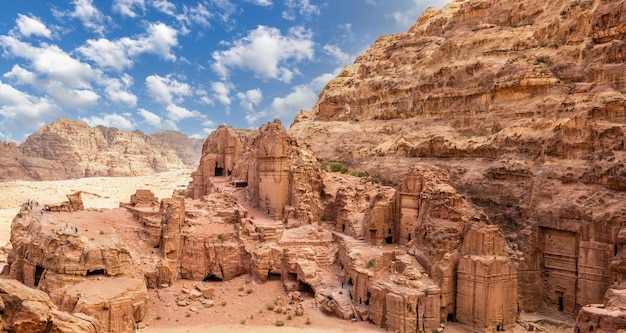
point(25, 310)
point(66, 149)
point(522, 104)
point(405, 259)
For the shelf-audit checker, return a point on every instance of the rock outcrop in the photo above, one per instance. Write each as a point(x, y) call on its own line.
point(522, 104)
point(282, 179)
point(25, 310)
point(66, 149)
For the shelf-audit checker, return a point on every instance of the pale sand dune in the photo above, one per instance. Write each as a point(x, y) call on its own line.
point(107, 192)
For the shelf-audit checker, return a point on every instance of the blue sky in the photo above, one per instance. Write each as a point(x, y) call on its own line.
point(180, 65)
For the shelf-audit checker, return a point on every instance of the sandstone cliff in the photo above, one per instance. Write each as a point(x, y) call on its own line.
point(66, 149)
point(522, 104)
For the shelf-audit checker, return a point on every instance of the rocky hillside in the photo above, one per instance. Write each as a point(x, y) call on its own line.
point(67, 149)
point(522, 103)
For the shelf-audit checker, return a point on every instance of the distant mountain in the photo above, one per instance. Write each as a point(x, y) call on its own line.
point(67, 149)
point(188, 149)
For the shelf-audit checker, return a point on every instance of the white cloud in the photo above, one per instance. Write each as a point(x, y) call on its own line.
point(209, 126)
point(177, 113)
point(159, 39)
point(264, 3)
point(150, 118)
point(156, 121)
point(221, 92)
point(198, 15)
point(301, 97)
point(91, 17)
point(51, 61)
point(265, 52)
point(24, 108)
point(250, 98)
point(335, 51)
point(71, 97)
point(303, 7)
point(128, 7)
point(67, 80)
point(117, 90)
point(111, 120)
point(166, 89)
point(164, 6)
point(31, 26)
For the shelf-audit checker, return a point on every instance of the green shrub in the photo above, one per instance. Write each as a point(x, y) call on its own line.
point(338, 167)
point(279, 323)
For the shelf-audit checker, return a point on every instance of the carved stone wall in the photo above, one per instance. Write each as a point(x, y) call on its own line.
point(487, 281)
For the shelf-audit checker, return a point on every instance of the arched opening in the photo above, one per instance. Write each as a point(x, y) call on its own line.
point(451, 317)
point(561, 303)
point(38, 273)
point(343, 228)
point(305, 289)
point(389, 240)
point(409, 237)
point(212, 278)
point(95, 272)
point(367, 300)
point(273, 276)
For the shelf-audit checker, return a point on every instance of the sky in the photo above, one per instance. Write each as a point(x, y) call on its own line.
point(183, 65)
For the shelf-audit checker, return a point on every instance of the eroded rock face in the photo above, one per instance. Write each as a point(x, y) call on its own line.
point(282, 179)
point(67, 149)
point(406, 258)
point(522, 104)
point(82, 271)
point(25, 310)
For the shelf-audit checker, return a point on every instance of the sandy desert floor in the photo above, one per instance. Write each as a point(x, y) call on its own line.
point(240, 305)
point(103, 192)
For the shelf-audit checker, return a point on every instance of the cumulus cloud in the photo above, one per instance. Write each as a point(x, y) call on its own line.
point(221, 92)
point(301, 97)
point(303, 7)
point(166, 89)
point(156, 121)
point(122, 121)
point(177, 113)
point(52, 62)
point(31, 26)
point(24, 108)
point(118, 90)
point(336, 52)
point(67, 80)
point(90, 16)
point(250, 98)
point(129, 7)
point(119, 54)
point(266, 52)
